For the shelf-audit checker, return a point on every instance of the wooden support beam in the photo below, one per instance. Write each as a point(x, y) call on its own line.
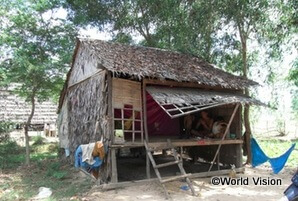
point(178, 143)
point(87, 78)
point(145, 127)
point(170, 83)
point(215, 173)
point(224, 135)
point(114, 178)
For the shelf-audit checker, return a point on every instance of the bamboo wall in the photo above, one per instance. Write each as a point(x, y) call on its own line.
point(62, 123)
point(88, 118)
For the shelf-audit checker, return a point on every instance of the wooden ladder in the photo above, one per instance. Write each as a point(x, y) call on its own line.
point(177, 161)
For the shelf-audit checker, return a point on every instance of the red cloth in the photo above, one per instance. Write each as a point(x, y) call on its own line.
point(159, 123)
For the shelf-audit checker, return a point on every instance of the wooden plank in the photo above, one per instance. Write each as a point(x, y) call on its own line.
point(239, 160)
point(174, 178)
point(88, 174)
point(146, 127)
point(127, 92)
point(224, 135)
point(87, 78)
point(142, 127)
point(114, 178)
point(178, 143)
point(215, 173)
point(110, 107)
point(187, 84)
point(166, 164)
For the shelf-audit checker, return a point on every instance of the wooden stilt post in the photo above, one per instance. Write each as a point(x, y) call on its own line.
point(114, 177)
point(223, 137)
point(181, 155)
point(146, 128)
point(217, 161)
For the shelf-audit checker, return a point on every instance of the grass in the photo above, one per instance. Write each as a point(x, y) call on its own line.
point(19, 182)
point(12, 155)
point(274, 148)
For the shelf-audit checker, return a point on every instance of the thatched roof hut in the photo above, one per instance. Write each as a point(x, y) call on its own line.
point(126, 95)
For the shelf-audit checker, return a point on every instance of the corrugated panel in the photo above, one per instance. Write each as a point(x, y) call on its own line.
point(178, 102)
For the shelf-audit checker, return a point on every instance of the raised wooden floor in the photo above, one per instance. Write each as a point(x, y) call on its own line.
point(162, 142)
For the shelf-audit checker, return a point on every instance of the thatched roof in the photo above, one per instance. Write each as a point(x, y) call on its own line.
point(15, 109)
point(143, 62)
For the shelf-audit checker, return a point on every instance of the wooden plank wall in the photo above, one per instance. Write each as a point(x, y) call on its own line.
point(126, 95)
point(126, 92)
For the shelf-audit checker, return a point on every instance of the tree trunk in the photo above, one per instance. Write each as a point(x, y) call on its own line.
point(27, 128)
point(247, 130)
point(246, 92)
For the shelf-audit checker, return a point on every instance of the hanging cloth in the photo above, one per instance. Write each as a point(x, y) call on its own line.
point(259, 157)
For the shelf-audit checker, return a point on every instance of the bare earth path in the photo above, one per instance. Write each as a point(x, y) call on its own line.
point(205, 190)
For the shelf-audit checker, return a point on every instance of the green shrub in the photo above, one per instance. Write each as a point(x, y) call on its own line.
point(53, 148)
point(37, 140)
point(5, 128)
point(9, 148)
point(11, 155)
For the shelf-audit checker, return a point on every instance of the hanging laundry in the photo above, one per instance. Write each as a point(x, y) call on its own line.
point(98, 150)
point(90, 155)
point(87, 150)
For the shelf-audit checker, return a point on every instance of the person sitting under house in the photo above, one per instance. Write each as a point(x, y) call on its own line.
point(204, 125)
point(219, 128)
point(188, 124)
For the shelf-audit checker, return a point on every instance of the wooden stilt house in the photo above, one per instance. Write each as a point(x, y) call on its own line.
point(128, 95)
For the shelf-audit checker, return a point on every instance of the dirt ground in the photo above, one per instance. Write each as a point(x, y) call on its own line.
point(204, 189)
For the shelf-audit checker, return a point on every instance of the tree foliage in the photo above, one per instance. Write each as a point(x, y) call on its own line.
point(187, 26)
point(36, 46)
